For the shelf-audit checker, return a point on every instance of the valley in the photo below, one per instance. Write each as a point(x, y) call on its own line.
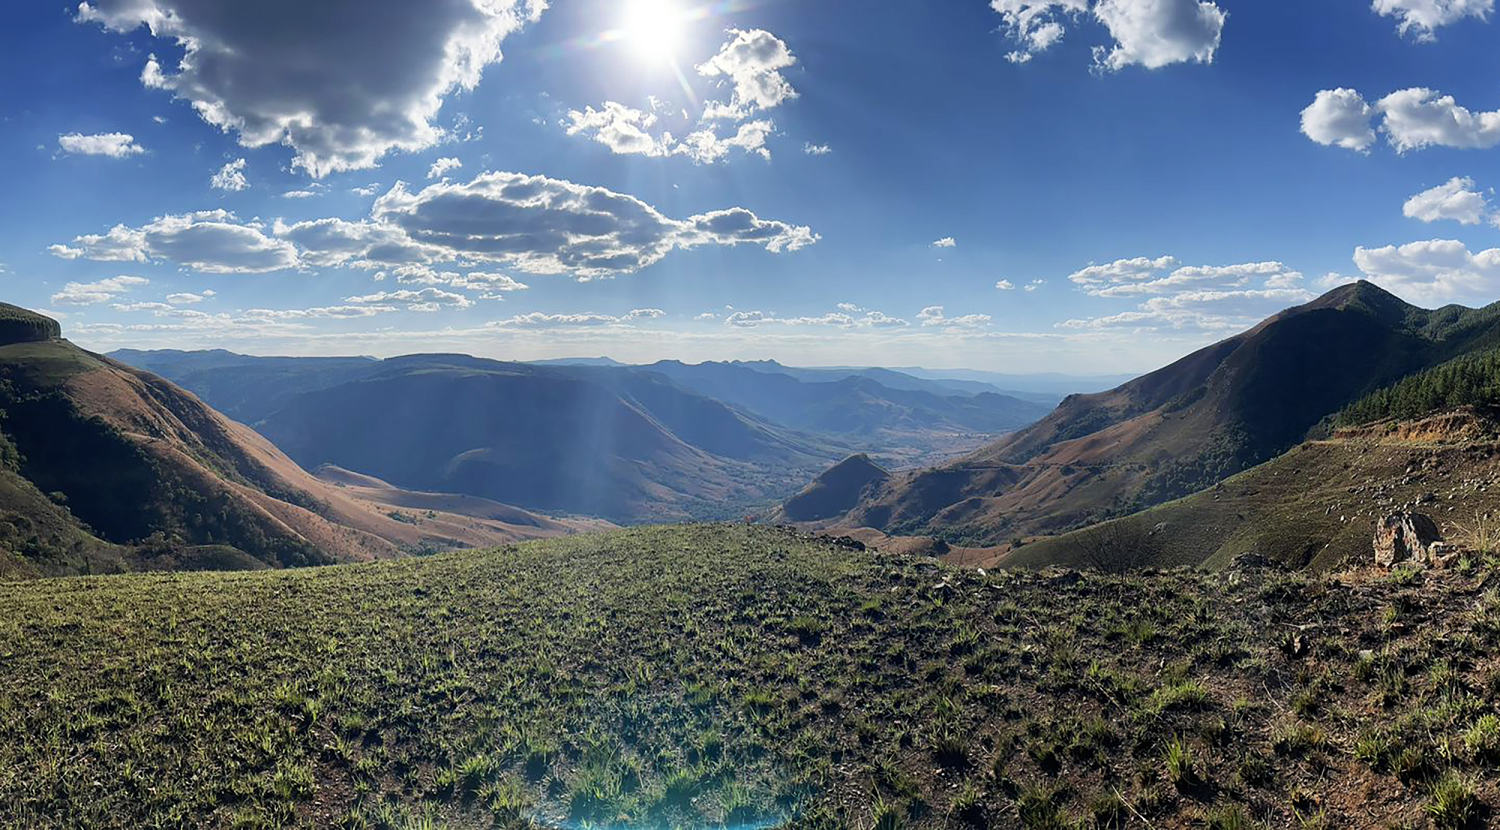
point(663, 442)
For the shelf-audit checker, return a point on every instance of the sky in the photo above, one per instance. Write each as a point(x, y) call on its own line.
point(1018, 186)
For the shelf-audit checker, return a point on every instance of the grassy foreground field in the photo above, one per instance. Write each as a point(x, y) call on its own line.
point(704, 676)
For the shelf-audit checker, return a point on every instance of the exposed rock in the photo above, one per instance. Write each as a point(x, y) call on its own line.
point(1254, 561)
point(1406, 537)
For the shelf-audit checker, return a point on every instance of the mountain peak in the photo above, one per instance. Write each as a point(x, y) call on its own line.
point(1367, 296)
point(838, 490)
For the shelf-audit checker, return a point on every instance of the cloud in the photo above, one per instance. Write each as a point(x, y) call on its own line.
point(537, 319)
point(1035, 25)
point(1123, 271)
point(427, 298)
point(212, 241)
point(541, 225)
point(159, 308)
point(752, 61)
point(1149, 33)
point(94, 293)
point(1457, 200)
point(705, 147)
point(1005, 285)
point(490, 285)
point(946, 242)
point(1422, 18)
point(114, 145)
point(342, 82)
point(188, 298)
point(812, 149)
point(1418, 118)
point(231, 177)
point(335, 242)
point(844, 319)
point(1433, 271)
point(1339, 117)
point(339, 312)
point(534, 224)
point(442, 166)
point(934, 315)
point(1157, 33)
point(1411, 119)
point(1188, 297)
point(624, 130)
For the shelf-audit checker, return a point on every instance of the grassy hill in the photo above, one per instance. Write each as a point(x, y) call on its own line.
point(105, 468)
point(1184, 427)
point(696, 676)
point(1315, 506)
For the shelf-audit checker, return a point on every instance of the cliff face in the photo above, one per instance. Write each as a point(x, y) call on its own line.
point(17, 325)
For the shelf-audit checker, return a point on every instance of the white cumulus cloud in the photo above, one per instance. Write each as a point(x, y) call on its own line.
point(542, 225)
point(752, 61)
point(1339, 117)
point(1411, 119)
point(212, 241)
point(230, 178)
point(1457, 200)
point(1422, 18)
point(94, 293)
point(1149, 33)
point(443, 167)
point(1433, 271)
point(624, 130)
point(341, 82)
point(114, 145)
point(1157, 33)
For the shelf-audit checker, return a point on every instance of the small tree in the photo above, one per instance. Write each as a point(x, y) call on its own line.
point(1115, 547)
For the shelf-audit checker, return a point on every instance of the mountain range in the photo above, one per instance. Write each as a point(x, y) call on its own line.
point(664, 442)
point(1219, 411)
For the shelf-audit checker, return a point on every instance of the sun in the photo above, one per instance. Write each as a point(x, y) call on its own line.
point(654, 29)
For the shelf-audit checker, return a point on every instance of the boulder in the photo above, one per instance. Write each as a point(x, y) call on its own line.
point(1407, 537)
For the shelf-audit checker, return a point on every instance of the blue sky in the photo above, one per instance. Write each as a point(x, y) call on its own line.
point(1017, 185)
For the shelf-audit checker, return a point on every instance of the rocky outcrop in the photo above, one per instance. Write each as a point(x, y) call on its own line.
point(1409, 538)
point(18, 325)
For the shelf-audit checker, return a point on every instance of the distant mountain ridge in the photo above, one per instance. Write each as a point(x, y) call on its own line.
point(663, 442)
point(1169, 433)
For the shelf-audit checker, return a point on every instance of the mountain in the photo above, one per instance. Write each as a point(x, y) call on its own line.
point(107, 467)
point(625, 445)
point(1051, 384)
point(836, 491)
point(1214, 413)
point(901, 425)
point(663, 442)
point(1316, 506)
point(578, 361)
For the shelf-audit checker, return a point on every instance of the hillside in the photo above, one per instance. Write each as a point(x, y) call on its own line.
point(695, 676)
point(1212, 414)
point(104, 467)
point(836, 491)
point(1316, 506)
